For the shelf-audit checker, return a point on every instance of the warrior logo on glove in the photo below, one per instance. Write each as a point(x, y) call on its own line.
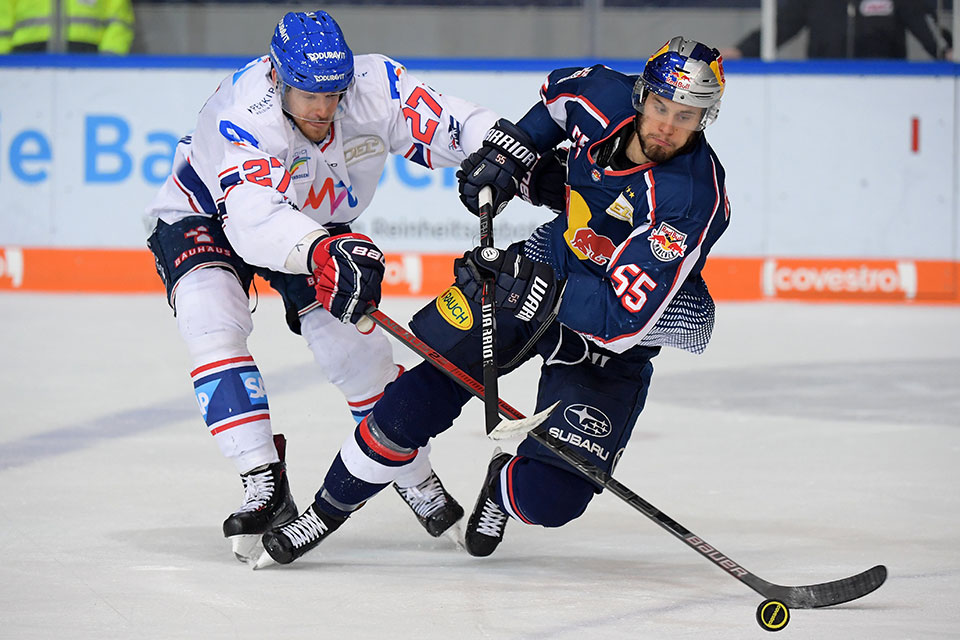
point(525, 287)
point(348, 274)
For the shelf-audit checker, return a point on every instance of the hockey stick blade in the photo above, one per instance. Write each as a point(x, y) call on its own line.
point(825, 594)
point(803, 597)
point(511, 428)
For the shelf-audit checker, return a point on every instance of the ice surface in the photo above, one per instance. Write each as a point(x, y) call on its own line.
point(808, 443)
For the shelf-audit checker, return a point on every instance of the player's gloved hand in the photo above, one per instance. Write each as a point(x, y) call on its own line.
point(506, 155)
point(546, 183)
point(523, 286)
point(347, 274)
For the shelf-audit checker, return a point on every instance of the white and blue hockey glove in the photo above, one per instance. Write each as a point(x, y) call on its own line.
point(347, 274)
point(505, 157)
point(524, 287)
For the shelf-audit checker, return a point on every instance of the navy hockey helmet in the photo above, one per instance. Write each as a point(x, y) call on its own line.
point(687, 72)
point(309, 52)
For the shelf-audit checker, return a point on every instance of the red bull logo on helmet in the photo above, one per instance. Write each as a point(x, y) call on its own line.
point(667, 243)
point(679, 79)
point(587, 244)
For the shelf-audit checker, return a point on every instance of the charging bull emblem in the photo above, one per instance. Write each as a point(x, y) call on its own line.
point(590, 245)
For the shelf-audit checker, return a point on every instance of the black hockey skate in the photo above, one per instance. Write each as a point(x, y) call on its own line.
point(285, 544)
point(436, 509)
point(266, 503)
point(487, 522)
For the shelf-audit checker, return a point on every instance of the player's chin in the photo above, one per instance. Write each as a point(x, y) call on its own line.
point(659, 153)
point(313, 131)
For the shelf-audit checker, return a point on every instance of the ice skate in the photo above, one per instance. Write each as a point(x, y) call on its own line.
point(267, 503)
point(284, 544)
point(436, 509)
point(487, 522)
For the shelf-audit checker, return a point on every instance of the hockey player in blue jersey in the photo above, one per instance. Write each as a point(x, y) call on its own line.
point(596, 292)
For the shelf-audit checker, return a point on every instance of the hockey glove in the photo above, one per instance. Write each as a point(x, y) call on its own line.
point(545, 184)
point(506, 155)
point(524, 287)
point(347, 273)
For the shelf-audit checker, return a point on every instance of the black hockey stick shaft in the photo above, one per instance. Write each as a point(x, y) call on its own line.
point(488, 317)
point(799, 597)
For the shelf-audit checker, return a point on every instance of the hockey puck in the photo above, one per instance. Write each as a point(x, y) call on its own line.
point(773, 615)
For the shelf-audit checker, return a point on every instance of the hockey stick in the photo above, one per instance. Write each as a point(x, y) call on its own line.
point(514, 422)
point(811, 596)
point(488, 318)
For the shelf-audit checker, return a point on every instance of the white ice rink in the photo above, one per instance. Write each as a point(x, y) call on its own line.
point(823, 439)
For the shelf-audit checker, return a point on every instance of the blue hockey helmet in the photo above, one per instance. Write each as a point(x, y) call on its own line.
point(309, 52)
point(684, 71)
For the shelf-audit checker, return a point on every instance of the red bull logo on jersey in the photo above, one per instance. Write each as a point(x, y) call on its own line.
point(453, 307)
point(587, 244)
point(667, 243)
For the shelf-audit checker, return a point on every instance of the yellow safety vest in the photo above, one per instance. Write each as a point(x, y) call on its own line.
point(105, 26)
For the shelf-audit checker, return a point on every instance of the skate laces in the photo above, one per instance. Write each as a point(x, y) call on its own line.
point(426, 498)
point(257, 490)
point(305, 529)
point(492, 520)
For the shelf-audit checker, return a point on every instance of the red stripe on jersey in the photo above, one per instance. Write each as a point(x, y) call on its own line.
point(238, 422)
point(220, 363)
point(589, 106)
point(225, 172)
point(381, 450)
point(186, 193)
point(333, 132)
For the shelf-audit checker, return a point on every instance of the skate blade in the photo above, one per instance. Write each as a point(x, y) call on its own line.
point(263, 561)
point(245, 547)
point(455, 533)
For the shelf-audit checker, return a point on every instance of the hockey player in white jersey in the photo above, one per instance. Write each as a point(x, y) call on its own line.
point(285, 155)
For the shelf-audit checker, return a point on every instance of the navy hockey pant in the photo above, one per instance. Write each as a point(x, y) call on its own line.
point(601, 395)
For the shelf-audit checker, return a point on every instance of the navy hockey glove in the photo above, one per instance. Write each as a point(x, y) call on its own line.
point(506, 155)
point(546, 183)
point(524, 287)
point(347, 273)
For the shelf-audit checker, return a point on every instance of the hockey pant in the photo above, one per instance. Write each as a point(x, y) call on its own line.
point(207, 285)
point(601, 395)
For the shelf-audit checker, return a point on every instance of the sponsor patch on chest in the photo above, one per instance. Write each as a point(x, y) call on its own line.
point(621, 209)
point(357, 149)
point(300, 166)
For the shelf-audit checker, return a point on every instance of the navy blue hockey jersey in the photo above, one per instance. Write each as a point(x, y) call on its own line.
point(631, 243)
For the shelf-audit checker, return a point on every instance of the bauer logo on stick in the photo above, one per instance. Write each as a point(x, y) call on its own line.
point(773, 615)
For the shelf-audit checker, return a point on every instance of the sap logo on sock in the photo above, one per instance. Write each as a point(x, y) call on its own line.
point(204, 393)
point(588, 420)
point(453, 307)
point(253, 383)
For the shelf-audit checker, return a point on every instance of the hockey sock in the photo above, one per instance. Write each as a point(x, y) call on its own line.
point(537, 493)
point(368, 461)
point(234, 405)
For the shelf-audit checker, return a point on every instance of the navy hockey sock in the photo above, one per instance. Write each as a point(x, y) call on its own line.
point(537, 493)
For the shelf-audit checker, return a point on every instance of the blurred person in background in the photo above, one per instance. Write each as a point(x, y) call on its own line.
point(66, 26)
point(853, 29)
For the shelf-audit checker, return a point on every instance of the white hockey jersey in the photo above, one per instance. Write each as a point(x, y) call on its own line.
point(271, 186)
